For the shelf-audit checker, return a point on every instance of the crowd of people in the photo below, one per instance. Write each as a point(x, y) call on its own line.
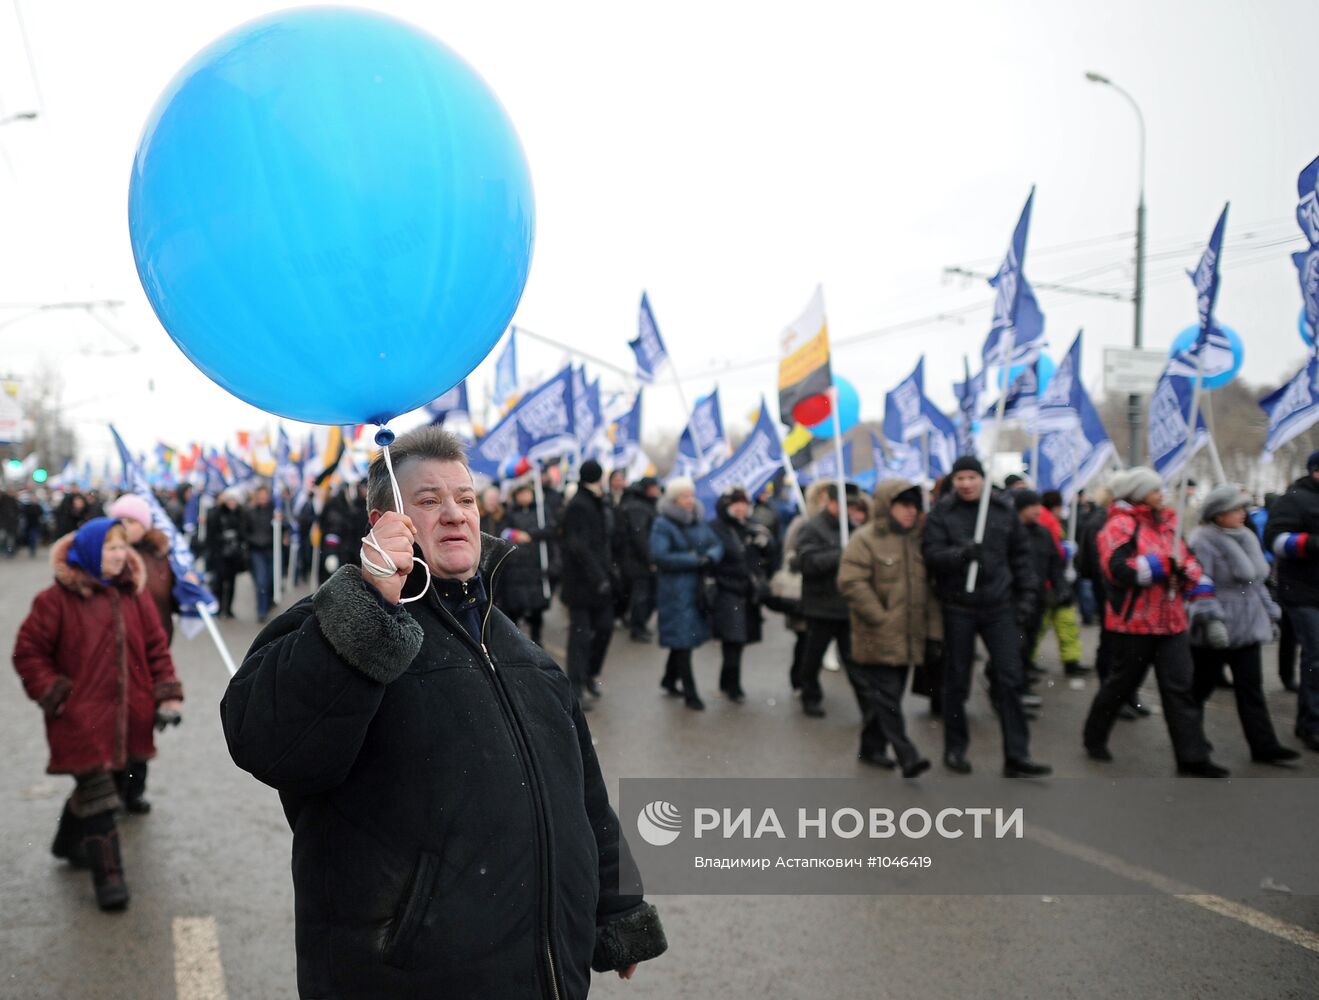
point(899, 607)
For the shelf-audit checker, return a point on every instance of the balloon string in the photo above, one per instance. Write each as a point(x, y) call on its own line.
point(390, 567)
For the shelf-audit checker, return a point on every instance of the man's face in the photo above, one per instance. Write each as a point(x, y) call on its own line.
point(261, 496)
point(441, 500)
point(653, 492)
point(857, 515)
point(685, 501)
point(617, 481)
point(1030, 515)
point(739, 510)
point(904, 513)
point(968, 484)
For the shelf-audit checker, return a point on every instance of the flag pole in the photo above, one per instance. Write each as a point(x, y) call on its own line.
point(696, 438)
point(214, 632)
point(277, 556)
point(982, 515)
point(925, 456)
point(1035, 452)
point(542, 553)
point(1190, 444)
point(1213, 445)
point(838, 456)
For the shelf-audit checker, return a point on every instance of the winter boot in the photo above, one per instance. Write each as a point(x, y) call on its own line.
point(132, 785)
point(100, 841)
point(67, 844)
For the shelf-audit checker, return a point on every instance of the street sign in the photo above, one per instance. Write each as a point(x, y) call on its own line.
point(1132, 371)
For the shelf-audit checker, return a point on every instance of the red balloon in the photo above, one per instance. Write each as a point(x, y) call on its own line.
point(812, 410)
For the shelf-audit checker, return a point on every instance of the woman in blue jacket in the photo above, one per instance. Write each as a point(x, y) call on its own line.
point(684, 550)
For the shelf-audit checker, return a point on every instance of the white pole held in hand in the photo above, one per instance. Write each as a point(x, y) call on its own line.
point(209, 622)
point(982, 515)
point(542, 549)
point(838, 456)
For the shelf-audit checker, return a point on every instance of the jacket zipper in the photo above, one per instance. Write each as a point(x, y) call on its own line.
point(528, 769)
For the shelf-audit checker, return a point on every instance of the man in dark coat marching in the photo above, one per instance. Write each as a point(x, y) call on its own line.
point(635, 516)
point(452, 833)
point(587, 582)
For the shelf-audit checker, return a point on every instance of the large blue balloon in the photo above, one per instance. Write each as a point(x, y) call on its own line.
point(1213, 379)
point(331, 215)
point(849, 412)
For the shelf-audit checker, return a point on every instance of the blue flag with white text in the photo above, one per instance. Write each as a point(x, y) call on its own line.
point(755, 463)
point(1293, 408)
point(1017, 315)
point(188, 589)
point(648, 345)
point(1171, 445)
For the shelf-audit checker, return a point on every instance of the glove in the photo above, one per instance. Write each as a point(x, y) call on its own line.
point(704, 562)
point(970, 552)
point(167, 717)
point(1069, 549)
point(1209, 632)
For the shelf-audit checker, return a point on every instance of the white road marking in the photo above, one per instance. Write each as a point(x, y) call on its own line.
point(198, 974)
point(1188, 893)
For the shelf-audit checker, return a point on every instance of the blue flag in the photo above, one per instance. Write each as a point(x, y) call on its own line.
point(754, 464)
point(288, 474)
point(506, 371)
point(904, 419)
point(707, 420)
point(239, 471)
point(546, 418)
point(1074, 445)
point(826, 467)
point(941, 441)
point(1293, 408)
point(1170, 442)
point(648, 345)
point(188, 589)
point(1023, 397)
point(1307, 261)
point(488, 455)
point(897, 460)
point(454, 401)
point(588, 419)
point(627, 435)
point(1016, 312)
point(968, 392)
point(215, 482)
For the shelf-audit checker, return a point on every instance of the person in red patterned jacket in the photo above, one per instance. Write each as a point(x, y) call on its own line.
point(1155, 590)
point(93, 655)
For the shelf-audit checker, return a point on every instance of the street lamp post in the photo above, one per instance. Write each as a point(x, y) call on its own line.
point(1138, 296)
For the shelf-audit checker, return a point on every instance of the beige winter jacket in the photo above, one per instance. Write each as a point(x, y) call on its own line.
point(882, 578)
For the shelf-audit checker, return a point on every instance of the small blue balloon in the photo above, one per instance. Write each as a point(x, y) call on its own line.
point(331, 215)
point(1046, 370)
point(1303, 325)
point(849, 412)
point(1219, 377)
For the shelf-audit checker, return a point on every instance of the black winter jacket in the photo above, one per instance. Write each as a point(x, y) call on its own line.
point(452, 834)
point(521, 579)
point(1049, 567)
point(741, 578)
point(1005, 577)
point(1296, 513)
point(584, 547)
point(635, 516)
point(819, 553)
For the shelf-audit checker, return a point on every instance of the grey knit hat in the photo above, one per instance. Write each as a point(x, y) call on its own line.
point(1221, 500)
point(1135, 484)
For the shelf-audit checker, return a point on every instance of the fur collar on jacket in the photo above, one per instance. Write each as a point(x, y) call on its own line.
point(154, 543)
point(132, 578)
point(673, 512)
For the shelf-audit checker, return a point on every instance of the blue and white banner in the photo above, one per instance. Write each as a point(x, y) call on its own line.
point(215, 482)
point(1022, 402)
point(546, 415)
point(453, 402)
point(506, 372)
point(969, 392)
point(1074, 444)
point(488, 455)
point(1292, 409)
point(288, 474)
point(826, 467)
point(1060, 402)
point(1205, 276)
point(1170, 443)
point(910, 416)
point(896, 460)
point(588, 420)
point(188, 589)
point(240, 473)
point(627, 435)
point(707, 423)
point(1016, 312)
point(754, 464)
point(648, 345)
point(1307, 261)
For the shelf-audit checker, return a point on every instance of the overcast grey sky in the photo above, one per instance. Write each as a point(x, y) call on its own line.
point(727, 157)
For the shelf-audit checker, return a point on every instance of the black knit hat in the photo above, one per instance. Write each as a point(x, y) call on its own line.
point(1025, 498)
point(968, 463)
point(590, 472)
point(1312, 463)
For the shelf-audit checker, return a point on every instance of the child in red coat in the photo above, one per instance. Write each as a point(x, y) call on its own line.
point(92, 653)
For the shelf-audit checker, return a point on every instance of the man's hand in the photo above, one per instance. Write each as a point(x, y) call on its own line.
point(394, 533)
point(629, 972)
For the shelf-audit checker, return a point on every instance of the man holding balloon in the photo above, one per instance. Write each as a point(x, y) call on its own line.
point(452, 833)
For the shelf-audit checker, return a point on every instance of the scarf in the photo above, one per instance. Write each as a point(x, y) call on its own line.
point(1243, 552)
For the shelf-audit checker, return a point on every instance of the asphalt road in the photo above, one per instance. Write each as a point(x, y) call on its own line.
point(212, 902)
